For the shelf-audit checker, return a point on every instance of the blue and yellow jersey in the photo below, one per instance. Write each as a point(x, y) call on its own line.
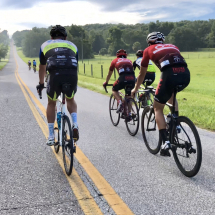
point(137, 63)
point(59, 54)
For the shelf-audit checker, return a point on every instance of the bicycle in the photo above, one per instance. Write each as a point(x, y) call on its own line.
point(144, 96)
point(34, 68)
point(130, 112)
point(63, 132)
point(29, 67)
point(182, 134)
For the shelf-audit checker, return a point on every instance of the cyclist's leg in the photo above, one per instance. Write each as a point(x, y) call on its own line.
point(162, 95)
point(52, 92)
point(183, 78)
point(71, 103)
point(115, 90)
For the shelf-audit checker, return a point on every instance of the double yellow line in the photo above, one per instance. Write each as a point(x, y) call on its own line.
point(81, 192)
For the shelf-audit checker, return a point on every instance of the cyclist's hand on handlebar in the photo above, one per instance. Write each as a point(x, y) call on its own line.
point(39, 88)
point(133, 92)
point(105, 84)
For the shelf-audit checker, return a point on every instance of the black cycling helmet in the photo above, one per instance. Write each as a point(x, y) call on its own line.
point(58, 31)
point(139, 53)
point(155, 37)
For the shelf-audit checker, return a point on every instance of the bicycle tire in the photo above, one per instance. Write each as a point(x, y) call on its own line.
point(186, 147)
point(147, 134)
point(67, 145)
point(57, 144)
point(112, 111)
point(134, 116)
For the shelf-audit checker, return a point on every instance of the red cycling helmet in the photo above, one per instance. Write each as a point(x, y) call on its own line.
point(121, 53)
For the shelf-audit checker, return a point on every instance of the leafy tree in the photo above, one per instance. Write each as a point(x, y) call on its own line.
point(4, 38)
point(3, 50)
point(103, 51)
point(33, 40)
point(77, 31)
point(18, 36)
point(98, 43)
point(80, 39)
point(115, 40)
point(184, 38)
point(136, 46)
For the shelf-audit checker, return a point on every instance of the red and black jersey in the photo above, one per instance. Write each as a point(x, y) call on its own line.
point(123, 65)
point(162, 55)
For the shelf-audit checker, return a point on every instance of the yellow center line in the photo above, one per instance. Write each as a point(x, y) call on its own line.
point(113, 199)
point(86, 201)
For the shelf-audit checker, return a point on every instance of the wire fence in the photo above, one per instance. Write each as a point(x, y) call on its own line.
point(95, 71)
point(99, 66)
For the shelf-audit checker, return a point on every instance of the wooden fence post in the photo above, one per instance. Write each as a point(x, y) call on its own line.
point(102, 71)
point(92, 70)
point(84, 68)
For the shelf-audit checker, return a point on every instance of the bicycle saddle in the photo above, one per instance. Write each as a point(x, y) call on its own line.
point(150, 87)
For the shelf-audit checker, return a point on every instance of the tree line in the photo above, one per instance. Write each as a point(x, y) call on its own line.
point(108, 38)
point(4, 44)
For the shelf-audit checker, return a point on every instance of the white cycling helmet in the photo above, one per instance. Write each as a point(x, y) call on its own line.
point(155, 37)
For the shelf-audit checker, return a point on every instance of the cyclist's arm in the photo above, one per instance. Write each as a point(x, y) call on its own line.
point(134, 65)
point(42, 72)
point(42, 67)
point(112, 67)
point(140, 77)
point(109, 76)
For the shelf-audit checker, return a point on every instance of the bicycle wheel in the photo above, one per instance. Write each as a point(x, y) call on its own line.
point(57, 140)
point(132, 116)
point(67, 145)
point(150, 131)
point(187, 150)
point(114, 116)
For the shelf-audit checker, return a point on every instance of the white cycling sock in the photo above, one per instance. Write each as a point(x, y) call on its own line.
point(51, 130)
point(74, 118)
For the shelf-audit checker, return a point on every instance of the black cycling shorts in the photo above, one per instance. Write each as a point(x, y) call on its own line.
point(149, 78)
point(55, 82)
point(123, 80)
point(170, 78)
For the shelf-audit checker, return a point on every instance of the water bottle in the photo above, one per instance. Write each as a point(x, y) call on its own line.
point(59, 120)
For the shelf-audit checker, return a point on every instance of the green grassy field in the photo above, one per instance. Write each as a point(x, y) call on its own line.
point(3, 62)
point(197, 101)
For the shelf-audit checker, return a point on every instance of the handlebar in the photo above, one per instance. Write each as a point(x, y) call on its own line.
point(105, 87)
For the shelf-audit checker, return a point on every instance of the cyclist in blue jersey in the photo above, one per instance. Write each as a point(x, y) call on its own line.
point(34, 65)
point(60, 58)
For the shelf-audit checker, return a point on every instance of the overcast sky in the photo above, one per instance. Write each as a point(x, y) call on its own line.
point(25, 14)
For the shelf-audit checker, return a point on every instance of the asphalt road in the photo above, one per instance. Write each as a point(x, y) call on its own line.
point(31, 180)
point(148, 184)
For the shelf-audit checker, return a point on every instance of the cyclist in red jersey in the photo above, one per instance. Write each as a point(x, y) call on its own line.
point(124, 67)
point(174, 72)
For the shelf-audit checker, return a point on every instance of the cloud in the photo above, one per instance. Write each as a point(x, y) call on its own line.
point(25, 14)
point(32, 24)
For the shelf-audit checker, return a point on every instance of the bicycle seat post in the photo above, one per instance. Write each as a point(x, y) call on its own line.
point(174, 100)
